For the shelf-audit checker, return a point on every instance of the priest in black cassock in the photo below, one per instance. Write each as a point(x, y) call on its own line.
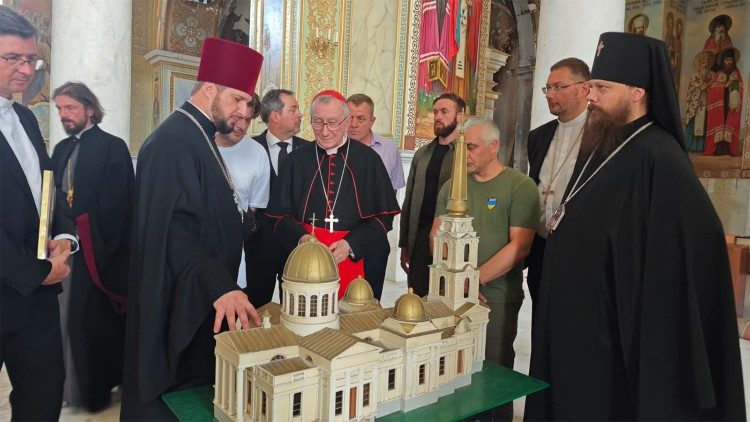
point(340, 187)
point(95, 172)
point(188, 233)
point(635, 312)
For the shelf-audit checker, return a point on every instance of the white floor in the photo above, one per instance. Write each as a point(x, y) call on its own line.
point(391, 292)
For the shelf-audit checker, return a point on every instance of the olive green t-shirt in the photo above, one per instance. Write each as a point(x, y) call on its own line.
point(510, 199)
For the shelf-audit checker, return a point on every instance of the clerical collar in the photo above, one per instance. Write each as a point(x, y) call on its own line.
point(578, 120)
point(334, 150)
point(78, 135)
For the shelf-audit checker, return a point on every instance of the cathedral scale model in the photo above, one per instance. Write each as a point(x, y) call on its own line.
point(318, 358)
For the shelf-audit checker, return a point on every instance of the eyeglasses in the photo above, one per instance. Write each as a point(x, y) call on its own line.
point(18, 61)
point(558, 88)
point(332, 126)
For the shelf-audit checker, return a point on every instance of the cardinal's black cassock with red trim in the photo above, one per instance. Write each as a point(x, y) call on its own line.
point(346, 186)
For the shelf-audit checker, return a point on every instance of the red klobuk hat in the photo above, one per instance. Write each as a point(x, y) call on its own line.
point(230, 64)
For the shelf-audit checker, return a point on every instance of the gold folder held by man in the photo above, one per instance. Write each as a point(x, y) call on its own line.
point(46, 213)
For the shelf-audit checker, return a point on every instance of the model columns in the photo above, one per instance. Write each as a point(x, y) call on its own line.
point(91, 44)
point(569, 29)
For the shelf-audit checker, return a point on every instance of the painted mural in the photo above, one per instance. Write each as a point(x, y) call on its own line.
point(448, 56)
point(706, 40)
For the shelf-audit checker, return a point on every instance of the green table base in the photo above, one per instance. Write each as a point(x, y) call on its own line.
point(495, 385)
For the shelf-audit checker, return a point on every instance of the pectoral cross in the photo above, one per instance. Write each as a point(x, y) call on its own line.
point(313, 220)
point(330, 220)
point(547, 192)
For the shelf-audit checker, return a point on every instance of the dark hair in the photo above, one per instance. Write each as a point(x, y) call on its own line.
point(255, 104)
point(458, 101)
point(83, 95)
point(14, 23)
point(358, 99)
point(577, 67)
point(272, 102)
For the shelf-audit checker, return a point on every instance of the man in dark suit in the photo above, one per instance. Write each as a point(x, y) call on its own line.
point(553, 149)
point(95, 171)
point(264, 255)
point(30, 340)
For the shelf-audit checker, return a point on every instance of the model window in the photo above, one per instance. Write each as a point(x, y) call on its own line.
point(314, 305)
point(297, 404)
point(391, 379)
point(441, 366)
point(263, 403)
point(291, 304)
point(366, 395)
point(421, 374)
point(339, 402)
point(324, 306)
point(301, 306)
point(441, 287)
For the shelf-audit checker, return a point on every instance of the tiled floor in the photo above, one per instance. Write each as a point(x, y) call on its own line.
point(391, 292)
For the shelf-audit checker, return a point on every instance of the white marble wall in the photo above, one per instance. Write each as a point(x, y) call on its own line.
point(91, 43)
point(373, 45)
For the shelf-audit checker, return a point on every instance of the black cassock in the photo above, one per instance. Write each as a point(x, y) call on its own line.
point(353, 182)
point(635, 313)
point(187, 244)
point(103, 191)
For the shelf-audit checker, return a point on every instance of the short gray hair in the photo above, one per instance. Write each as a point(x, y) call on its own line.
point(327, 99)
point(490, 132)
point(272, 102)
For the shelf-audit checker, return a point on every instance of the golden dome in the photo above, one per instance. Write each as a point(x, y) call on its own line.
point(409, 308)
point(311, 262)
point(359, 291)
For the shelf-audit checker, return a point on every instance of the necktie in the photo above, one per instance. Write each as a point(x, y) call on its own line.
point(282, 155)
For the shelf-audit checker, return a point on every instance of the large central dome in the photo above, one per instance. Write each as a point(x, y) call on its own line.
point(311, 262)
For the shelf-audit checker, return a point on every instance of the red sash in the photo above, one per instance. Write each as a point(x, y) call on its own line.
point(348, 269)
point(119, 303)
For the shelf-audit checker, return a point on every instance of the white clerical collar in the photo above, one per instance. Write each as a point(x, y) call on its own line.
point(78, 135)
point(577, 121)
point(273, 140)
point(204, 113)
point(335, 149)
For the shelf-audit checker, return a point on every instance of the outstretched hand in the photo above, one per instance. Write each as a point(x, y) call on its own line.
point(232, 306)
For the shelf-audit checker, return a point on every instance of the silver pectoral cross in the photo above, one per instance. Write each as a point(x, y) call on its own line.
point(330, 220)
point(555, 219)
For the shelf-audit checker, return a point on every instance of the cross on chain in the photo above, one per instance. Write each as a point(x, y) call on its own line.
point(313, 220)
point(330, 220)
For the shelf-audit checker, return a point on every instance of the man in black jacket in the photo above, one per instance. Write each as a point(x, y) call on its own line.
point(30, 340)
point(265, 257)
point(95, 171)
point(553, 149)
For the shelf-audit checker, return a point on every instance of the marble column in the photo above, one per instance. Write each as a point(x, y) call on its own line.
point(91, 44)
point(569, 29)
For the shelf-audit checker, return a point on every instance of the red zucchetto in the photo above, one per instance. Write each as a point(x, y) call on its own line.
point(331, 93)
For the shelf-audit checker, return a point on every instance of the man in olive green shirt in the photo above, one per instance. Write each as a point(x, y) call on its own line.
point(505, 205)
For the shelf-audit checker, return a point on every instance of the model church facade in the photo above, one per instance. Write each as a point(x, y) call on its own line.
point(318, 358)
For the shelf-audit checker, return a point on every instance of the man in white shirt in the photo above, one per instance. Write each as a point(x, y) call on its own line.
point(266, 257)
point(553, 149)
point(247, 164)
point(30, 338)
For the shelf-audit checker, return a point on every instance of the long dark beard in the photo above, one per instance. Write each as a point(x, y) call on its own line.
point(604, 132)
